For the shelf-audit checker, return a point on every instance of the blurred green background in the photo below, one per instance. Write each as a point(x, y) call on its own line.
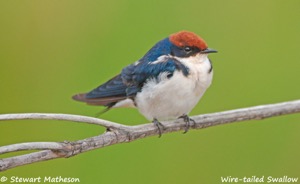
point(51, 50)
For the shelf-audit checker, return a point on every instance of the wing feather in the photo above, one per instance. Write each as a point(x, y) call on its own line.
point(130, 81)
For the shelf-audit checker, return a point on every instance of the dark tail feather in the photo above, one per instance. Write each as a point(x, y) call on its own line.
point(79, 97)
point(97, 101)
point(106, 101)
point(104, 111)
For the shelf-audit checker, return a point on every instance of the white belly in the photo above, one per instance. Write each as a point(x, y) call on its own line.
point(177, 96)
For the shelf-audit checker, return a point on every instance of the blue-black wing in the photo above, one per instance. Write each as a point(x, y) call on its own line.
point(113, 87)
point(130, 81)
point(137, 74)
point(107, 94)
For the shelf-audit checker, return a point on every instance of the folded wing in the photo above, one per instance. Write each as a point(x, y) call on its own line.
point(130, 81)
point(106, 94)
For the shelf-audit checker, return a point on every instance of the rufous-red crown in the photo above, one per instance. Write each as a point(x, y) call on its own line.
point(186, 38)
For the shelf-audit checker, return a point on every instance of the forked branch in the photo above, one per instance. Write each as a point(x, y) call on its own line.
point(118, 133)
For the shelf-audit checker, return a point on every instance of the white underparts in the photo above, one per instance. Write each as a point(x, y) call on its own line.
point(168, 98)
point(125, 103)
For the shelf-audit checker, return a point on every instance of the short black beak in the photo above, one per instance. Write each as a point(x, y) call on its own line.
point(208, 50)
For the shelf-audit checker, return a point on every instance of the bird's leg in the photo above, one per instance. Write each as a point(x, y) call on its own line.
point(187, 121)
point(159, 126)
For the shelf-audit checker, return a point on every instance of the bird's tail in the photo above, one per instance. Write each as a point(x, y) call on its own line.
point(105, 101)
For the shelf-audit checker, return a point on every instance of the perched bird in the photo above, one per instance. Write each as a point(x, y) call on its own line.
point(166, 83)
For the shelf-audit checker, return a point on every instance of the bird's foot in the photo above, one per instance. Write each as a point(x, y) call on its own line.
point(159, 126)
point(187, 121)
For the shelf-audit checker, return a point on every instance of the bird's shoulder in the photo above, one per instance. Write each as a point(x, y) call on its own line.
point(142, 70)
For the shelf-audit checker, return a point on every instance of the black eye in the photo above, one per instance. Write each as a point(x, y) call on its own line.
point(187, 49)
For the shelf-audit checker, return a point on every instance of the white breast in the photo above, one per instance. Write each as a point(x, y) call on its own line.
point(174, 97)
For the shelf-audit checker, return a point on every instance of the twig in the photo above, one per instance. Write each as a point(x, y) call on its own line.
point(66, 117)
point(118, 133)
point(31, 146)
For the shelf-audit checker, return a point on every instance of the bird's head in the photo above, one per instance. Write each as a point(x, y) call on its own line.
point(185, 44)
point(182, 44)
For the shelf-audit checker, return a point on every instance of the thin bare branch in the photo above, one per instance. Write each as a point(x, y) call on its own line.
point(66, 117)
point(31, 146)
point(121, 133)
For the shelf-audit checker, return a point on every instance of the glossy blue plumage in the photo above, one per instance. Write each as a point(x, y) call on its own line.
point(136, 75)
point(163, 47)
point(113, 87)
point(133, 77)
